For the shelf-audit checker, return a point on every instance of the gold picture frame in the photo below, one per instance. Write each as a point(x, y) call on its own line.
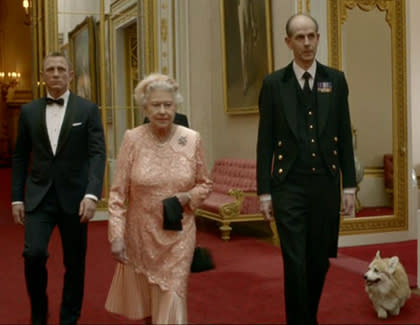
point(65, 50)
point(82, 54)
point(247, 52)
point(107, 105)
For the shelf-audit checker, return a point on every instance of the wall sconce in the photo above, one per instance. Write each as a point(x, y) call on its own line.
point(27, 5)
point(9, 80)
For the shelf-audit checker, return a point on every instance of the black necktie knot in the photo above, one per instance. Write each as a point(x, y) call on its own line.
point(58, 101)
point(306, 89)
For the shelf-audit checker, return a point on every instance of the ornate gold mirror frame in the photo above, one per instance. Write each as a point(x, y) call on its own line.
point(395, 17)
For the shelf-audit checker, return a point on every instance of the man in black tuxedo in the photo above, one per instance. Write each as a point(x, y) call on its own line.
point(179, 119)
point(304, 143)
point(57, 174)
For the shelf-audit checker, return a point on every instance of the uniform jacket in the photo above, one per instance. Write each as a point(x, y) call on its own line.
point(277, 134)
point(76, 169)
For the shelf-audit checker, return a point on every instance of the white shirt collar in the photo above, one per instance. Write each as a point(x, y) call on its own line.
point(299, 71)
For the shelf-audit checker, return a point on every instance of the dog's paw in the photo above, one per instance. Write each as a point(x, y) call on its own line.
point(395, 311)
point(382, 314)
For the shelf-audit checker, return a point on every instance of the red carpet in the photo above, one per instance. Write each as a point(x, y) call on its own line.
point(375, 211)
point(245, 288)
point(5, 196)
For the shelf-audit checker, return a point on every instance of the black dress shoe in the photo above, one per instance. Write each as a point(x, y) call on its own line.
point(39, 321)
point(40, 318)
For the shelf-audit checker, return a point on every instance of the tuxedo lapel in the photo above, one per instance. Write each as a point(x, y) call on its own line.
point(288, 91)
point(66, 126)
point(324, 89)
point(42, 121)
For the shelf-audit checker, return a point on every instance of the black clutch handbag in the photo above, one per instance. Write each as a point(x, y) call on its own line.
point(172, 213)
point(202, 260)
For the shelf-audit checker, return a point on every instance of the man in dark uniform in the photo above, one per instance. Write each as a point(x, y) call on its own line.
point(57, 174)
point(304, 144)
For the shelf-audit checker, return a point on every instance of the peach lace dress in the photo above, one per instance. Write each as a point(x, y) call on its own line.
point(154, 281)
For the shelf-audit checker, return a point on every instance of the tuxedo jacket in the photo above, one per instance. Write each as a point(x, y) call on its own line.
point(77, 168)
point(179, 119)
point(278, 126)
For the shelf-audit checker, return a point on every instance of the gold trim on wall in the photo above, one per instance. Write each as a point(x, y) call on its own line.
point(150, 36)
point(165, 38)
point(374, 172)
point(102, 86)
point(129, 14)
point(308, 6)
point(131, 72)
point(395, 17)
point(51, 39)
point(37, 36)
point(174, 36)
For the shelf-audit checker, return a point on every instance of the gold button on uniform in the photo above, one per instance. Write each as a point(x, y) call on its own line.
point(280, 143)
point(312, 140)
point(335, 152)
point(313, 154)
point(314, 169)
point(335, 139)
point(311, 126)
point(310, 113)
point(281, 171)
point(334, 167)
point(280, 157)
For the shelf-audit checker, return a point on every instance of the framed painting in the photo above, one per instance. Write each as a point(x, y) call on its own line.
point(82, 54)
point(247, 52)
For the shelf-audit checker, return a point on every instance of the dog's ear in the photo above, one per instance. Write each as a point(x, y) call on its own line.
point(378, 254)
point(392, 263)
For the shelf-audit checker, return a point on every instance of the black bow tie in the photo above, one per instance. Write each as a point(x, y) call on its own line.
point(58, 101)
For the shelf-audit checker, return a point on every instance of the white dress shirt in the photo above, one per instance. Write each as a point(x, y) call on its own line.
point(299, 74)
point(54, 116)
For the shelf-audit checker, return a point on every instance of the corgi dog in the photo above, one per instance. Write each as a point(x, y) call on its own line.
point(386, 284)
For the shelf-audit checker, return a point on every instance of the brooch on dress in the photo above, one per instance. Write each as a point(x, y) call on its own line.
point(182, 140)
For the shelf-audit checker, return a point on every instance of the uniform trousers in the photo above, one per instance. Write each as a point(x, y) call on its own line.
point(306, 210)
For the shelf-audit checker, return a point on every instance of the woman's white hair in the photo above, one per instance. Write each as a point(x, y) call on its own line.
point(156, 81)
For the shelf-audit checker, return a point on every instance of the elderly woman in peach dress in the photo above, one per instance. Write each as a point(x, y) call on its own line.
point(156, 161)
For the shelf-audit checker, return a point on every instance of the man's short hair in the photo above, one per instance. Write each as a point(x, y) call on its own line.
point(289, 22)
point(57, 55)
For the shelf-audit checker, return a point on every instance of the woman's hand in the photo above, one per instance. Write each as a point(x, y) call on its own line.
point(199, 193)
point(203, 190)
point(183, 197)
point(118, 251)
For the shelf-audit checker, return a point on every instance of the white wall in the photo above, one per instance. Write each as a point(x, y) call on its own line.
point(413, 78)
